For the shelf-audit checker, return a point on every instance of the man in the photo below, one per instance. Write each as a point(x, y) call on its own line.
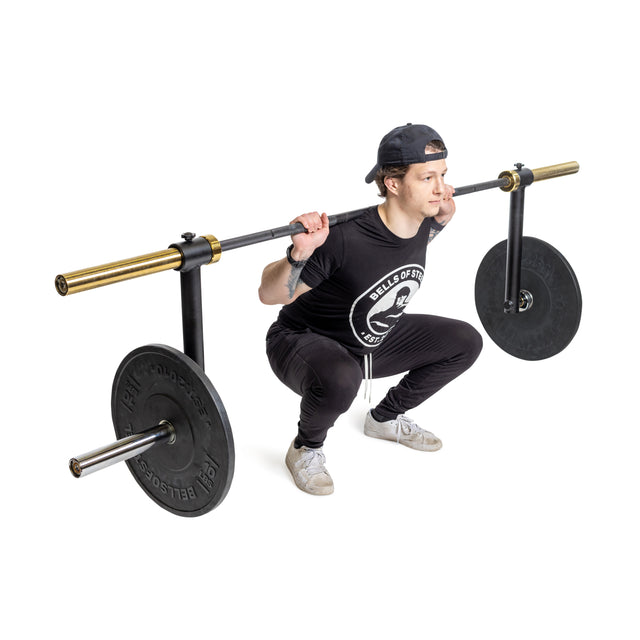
point(344, 295)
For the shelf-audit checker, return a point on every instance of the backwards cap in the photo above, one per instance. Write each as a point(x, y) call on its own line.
point(406, 145)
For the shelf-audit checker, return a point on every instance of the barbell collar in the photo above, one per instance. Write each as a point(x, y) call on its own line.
point(516, 179)
point(195, 252)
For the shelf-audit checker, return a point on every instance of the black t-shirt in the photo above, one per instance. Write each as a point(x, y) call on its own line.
point(361, 280)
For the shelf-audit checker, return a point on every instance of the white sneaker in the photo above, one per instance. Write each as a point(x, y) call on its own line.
point(307, 468)
point(404, 431)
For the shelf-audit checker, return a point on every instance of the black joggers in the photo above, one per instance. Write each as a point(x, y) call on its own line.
point(433, 350)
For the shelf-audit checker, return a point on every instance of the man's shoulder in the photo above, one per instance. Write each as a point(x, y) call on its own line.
point(360, 219)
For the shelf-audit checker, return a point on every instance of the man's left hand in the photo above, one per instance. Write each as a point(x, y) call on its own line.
point(447, 206)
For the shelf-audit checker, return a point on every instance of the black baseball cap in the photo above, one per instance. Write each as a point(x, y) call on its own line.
point(405, 145)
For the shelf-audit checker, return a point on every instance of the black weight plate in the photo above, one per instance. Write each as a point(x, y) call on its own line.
point(550, 324)
point(191, 476)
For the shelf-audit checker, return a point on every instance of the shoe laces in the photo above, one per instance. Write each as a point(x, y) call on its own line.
point(313, 461)
point(406, 426)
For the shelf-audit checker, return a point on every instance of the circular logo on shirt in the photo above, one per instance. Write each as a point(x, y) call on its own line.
point(378, 309)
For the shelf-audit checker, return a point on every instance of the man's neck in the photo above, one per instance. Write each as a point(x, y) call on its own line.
point(398, 221)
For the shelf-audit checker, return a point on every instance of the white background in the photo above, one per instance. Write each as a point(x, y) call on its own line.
point(124, 124)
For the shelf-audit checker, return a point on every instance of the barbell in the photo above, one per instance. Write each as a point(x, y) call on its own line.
point(212, 249)
point(173, 430)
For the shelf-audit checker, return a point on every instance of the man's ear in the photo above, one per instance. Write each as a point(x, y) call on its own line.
point(391, 184)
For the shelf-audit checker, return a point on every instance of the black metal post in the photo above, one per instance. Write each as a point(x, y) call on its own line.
point(195, 252)
point(514, 252)
point(192, 331)
point(525, 178)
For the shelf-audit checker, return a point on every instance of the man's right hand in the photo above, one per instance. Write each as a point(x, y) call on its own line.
point(304, 244)
point(280, 281)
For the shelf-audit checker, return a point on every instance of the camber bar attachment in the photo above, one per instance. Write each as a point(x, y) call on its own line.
point(172, 258)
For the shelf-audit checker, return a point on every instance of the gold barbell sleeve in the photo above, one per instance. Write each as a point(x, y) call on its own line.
point(105, 274)
point(555, 171)
point(144, 265)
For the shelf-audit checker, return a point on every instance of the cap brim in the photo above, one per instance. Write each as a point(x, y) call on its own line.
point(371, 176)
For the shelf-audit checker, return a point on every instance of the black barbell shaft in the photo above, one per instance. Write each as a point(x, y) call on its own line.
point(482, 186)
point(282, 232)
point(338, 218)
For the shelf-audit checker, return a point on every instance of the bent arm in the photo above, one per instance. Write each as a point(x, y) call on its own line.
point(281, 282)
point(447, 209)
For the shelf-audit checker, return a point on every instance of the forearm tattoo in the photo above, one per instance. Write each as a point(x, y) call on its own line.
point(294, 278)
point(434, 232)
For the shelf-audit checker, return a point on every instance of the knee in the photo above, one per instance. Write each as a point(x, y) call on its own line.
point(340, 386)
point(469, 341)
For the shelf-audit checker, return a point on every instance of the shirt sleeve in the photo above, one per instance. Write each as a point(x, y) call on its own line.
point(324, 261)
